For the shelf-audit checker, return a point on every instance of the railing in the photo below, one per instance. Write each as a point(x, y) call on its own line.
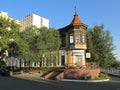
point(112, 71)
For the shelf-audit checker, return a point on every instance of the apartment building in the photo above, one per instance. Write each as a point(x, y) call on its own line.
point(33, 20)
point(5, 15)
point(29, 20)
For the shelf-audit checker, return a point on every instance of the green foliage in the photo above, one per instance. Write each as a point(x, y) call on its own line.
point(82, 78)
point(8, 33)
point(40, 44)
point(103, 76)
point(100, 45)
point(115, 64)
point(85, 78)
point(89, 77)
point(32, 44)
point(2, 63)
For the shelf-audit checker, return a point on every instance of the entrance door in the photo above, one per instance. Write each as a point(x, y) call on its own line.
point(78, 59)
point(62, 60)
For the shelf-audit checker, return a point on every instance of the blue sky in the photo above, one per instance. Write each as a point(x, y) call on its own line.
point(60, 13)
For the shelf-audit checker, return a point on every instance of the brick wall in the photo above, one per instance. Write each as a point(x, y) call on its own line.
point(78, 73)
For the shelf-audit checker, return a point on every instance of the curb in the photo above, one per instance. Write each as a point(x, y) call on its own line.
point(85, 80)
point(70, 80)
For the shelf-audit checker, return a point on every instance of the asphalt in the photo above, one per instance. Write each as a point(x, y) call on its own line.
point(33, 81)
point(35, 76)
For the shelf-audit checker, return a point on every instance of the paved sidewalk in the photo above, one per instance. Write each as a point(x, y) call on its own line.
point(35, 75)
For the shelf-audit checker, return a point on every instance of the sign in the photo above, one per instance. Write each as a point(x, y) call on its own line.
point(78, 52)
point(88, 55)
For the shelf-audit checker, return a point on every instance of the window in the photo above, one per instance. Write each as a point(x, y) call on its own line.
point(71, 38)
point(80, 37)
point(83, 37)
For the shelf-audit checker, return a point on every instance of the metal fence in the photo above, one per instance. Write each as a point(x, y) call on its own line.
point(112, 71)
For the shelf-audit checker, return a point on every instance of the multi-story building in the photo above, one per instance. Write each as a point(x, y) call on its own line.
point(5, 15)
point(73, 49)
point(34, 20)
point(29, 20)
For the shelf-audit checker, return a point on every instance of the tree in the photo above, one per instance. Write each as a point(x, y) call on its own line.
point(33, 43)
point(25, 43)
point(8, 33)
point(41, 43)
point(4, 23)
point(46, 43)
point(115, 64)
point(100, 45)
point(52, 42)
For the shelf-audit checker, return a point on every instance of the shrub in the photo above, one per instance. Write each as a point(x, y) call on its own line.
point(85, 78)
point(82, 78)
point(89, 78)
point(103, 76)
point(2, 63)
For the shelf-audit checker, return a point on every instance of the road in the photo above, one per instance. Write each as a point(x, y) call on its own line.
point(12, 83)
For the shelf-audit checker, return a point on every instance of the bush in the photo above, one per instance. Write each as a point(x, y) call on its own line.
point(89, 78)
point(82, 78)
point(2, 63)
point(85, 78)
point(103, 76)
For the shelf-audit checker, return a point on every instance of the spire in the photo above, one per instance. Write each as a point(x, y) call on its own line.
point(75, 10)
point(76, 19)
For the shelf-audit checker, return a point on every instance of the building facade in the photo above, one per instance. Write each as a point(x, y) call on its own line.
point(73, 48)
point(29, 20)
point(5, 15)
point(34, 20)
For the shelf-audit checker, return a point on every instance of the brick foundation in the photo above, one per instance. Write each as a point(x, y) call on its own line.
point(78, 73)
